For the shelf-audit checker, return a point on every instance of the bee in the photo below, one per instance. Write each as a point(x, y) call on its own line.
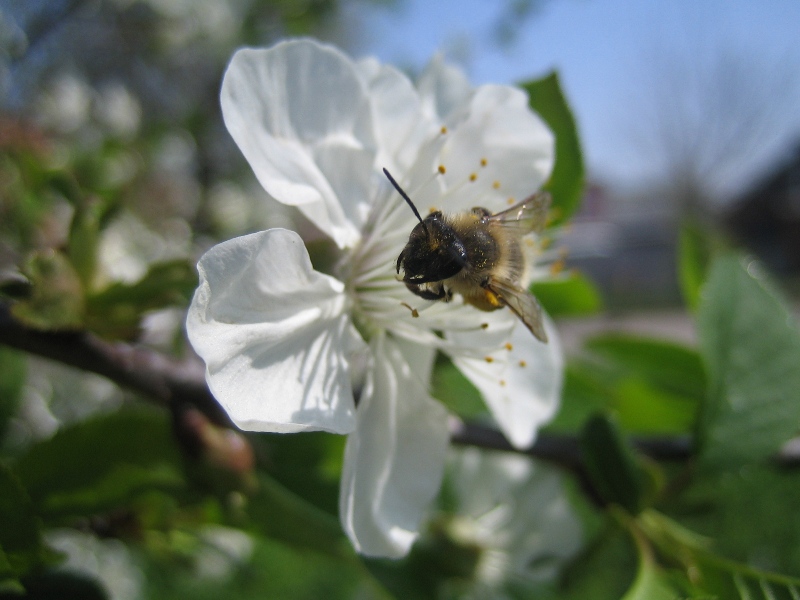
point(476, 254)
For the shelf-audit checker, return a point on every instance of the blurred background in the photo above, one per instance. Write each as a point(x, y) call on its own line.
point(688, 113)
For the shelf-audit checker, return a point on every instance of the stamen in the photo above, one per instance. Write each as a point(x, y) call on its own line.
point(484, 162)
point(523, 364)
point(511, 201)
point(502, 383)
point(509, 347)
point(414, 311)
point(442, 170)
point(484, 326)
point(488, 359)
point(473, 176)
point(443, 130)
point(496, 185)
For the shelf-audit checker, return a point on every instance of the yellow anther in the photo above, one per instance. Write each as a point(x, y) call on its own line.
point(483, 162)
point(503, 383)
point(484, 326)
point(522, 363)
point(496, 185)
point(443, 130)
point(473, 176)
point(442, 170)
point(488, 359)
point(509, 347)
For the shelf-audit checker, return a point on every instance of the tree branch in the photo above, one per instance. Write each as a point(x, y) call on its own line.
point(160, 379)
point(173, 383)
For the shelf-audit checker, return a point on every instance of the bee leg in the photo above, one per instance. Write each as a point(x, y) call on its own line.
point(428, 293)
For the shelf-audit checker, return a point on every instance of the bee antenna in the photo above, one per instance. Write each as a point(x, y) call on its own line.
point(407, 199)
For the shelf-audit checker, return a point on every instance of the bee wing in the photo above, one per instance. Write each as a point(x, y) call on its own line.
point(526, 216)
point(522, 304)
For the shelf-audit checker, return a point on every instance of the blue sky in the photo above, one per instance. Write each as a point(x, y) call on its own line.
point(604, 52)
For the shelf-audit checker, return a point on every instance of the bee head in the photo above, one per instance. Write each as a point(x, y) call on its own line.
point(433, 252)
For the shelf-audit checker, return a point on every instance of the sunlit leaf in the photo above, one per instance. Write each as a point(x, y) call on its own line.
point(751, 346)
point(566, 181)
point(693, 260)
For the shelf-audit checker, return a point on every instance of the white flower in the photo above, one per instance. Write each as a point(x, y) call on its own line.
point(285, 346)
point(514, 512)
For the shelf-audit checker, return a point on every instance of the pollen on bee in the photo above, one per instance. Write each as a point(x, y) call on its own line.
point(443, 130)
point(484, 162)
point(442, 170)
point(488, 359)
point(473, 176)
point(523, 364)
point(496, 185)
point(431, 209)
point(509, 347)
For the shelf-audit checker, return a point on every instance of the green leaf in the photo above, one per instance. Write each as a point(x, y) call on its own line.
point(101, 463)
point(650, 582)
point(13, 373)
point(56, 300)
point(455, 391)
point(569, 297)
point(672, 367)
point(566, 181)
point(20, 539)
point(694, 256)
point(117, 311)
point(752, 351)
point(84, 238)
point(611, 465)
point(280, 514)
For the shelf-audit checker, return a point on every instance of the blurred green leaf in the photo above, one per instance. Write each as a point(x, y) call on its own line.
point(569, 297)
point(20, 540)
point(670, 366)
point(101, 463)
point(603, 571)
point(274, 570)
point(752, 350)
point(567, 178)
point(650, 583)
point(56, 300)
point(611, 465)
point(116, 311)
point(694, 256)
point(278, 513)
point(83, 241)
point(455, 391)
point(13, 372)
point(587, 389)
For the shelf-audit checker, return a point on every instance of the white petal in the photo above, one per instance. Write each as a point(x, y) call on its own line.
point(400, 124)
point(274, 335)
point(394, 460)
point(521, 383)
point(287, 105)
point(443, 87)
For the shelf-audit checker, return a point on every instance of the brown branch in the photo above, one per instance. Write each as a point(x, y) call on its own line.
point(173, 384)
point(160, 379)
